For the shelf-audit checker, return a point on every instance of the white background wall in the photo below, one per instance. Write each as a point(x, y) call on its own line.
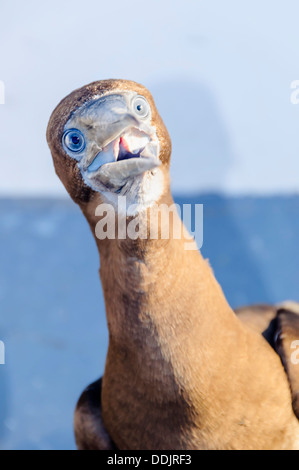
point(220, 72)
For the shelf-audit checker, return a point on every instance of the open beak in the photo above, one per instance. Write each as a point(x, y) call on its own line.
point(128, 147)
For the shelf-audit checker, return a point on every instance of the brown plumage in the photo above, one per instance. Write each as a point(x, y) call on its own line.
point(182, 370)
point(279, 325)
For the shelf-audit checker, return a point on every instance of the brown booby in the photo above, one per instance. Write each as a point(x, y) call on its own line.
point(182, 371)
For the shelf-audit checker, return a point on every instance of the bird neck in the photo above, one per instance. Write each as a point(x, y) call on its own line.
point(158, 292)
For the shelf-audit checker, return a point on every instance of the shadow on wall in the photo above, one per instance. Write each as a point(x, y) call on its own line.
point(201, 150)
point(202, 155)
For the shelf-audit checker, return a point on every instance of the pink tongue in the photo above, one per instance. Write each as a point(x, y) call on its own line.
point(124, 144)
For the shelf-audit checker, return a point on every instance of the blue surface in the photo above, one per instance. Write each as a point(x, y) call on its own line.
point(52, 313)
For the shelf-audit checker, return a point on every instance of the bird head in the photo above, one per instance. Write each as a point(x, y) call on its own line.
point(108, 139)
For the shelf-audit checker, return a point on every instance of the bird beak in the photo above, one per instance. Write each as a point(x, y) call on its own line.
point(128, 147)
point(115, 175)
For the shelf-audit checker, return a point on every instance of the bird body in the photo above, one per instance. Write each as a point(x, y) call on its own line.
point(182, 370)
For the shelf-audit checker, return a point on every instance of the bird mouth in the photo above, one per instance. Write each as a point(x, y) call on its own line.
point(132, 144)
point(131, 154)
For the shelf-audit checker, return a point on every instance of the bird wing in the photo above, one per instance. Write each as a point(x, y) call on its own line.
point(280, 327)
point(261, 319)
point(90, 432)
point(287, 346)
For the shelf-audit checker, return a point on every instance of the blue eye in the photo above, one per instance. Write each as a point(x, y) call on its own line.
point(74, 140)
point(141, 106)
